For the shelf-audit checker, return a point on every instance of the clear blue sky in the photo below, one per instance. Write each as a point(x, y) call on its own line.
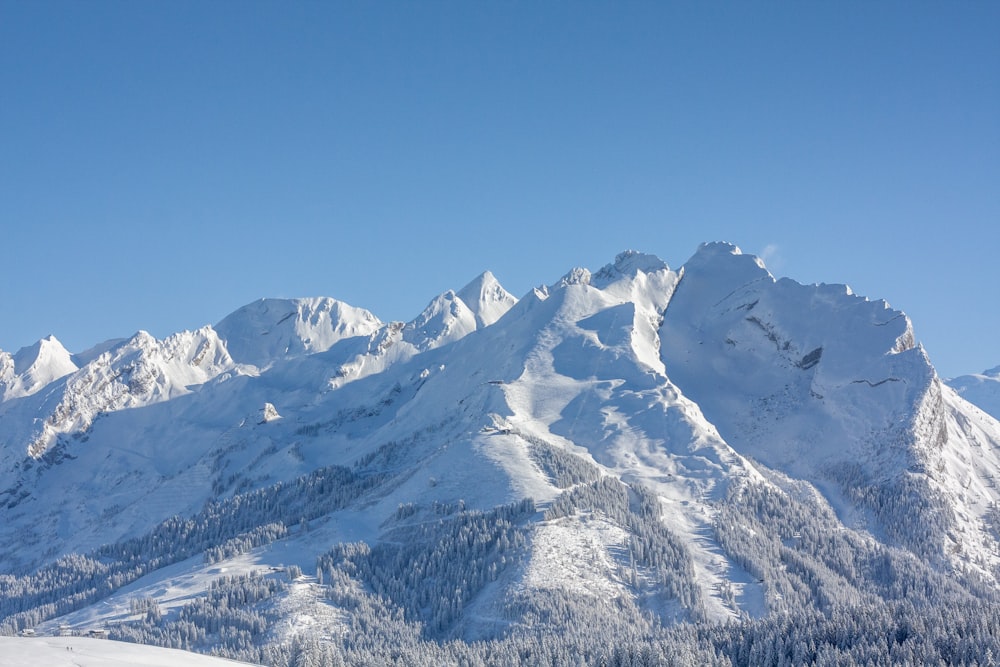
point(163, 163)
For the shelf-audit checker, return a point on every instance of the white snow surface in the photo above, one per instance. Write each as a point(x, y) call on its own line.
point(87, 652)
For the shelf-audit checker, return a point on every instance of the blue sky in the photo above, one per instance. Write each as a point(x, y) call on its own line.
point(163, 163)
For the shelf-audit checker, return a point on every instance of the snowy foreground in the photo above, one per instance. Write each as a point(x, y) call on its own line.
point(83, 652)
point(636, 465)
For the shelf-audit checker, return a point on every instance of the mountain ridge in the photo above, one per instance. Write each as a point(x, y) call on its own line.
point(685, 446)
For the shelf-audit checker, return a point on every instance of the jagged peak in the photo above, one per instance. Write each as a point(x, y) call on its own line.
point(445, 301)
point(269, 329)
point(906, 340)
point(275, 310)
point(142, 338)
point(486, 298)
point(446, 318)
point(483, 281)
point(629, 264)
point(575, 276)
point(33, 367)
point(44, 350)
point(140, 342)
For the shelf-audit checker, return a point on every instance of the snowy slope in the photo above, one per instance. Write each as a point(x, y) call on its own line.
point(161, 452)
point(797, 376)
point(592, 383)
point(84, 652)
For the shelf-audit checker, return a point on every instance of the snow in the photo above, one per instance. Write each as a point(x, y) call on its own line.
point(677, 380)
point(982, 390)
point(578, 552)
point(34, 367)
point(486, 298)
point(796, 376)
point(966, 469)
point(594, 379)
point(86, 652)
point(268, 330)
point(446, 319)
point(137, 372)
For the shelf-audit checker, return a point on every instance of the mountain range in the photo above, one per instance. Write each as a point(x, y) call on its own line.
point(705, 465)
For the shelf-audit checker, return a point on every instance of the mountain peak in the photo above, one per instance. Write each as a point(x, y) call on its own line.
point(718, 248)
point(446, 318)
point(486, 298)
point(575, 276)
point(34, 366)
point(721, 266)
point(47, 347)
point(982, 390)
point(629, 263)
point(270, 329)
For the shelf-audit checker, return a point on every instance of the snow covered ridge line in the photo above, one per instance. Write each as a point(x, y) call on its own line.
point(143, 370)
point(639, 450)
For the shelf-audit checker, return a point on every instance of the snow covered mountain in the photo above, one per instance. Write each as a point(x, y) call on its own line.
point(33, 368)
point(638, 449)
point(982, 390)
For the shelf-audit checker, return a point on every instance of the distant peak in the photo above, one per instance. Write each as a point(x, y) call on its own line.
point(269, 329)
point(486, 298)
point(575, 276)
point(446, 318)
point(35, 366)
point(446, 302)
point(633, 260)
point(629, 263)
point(45, 350)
